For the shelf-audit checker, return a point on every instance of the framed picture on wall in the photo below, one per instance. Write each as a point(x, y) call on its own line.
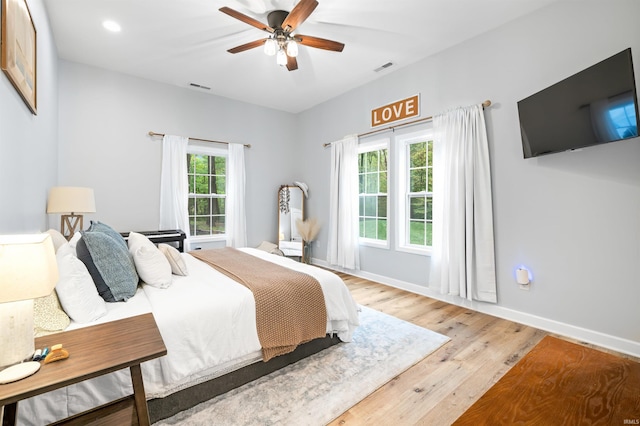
point(19, 49)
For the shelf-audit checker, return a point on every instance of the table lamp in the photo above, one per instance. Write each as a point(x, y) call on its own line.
point(28, 270)
point(71, 200)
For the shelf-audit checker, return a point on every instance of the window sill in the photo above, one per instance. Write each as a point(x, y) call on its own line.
point(415, 250)
point(207, 238)
point(373, 243)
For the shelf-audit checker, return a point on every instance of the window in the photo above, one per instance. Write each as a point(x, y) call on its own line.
point(415, 184)
point(206, 171)
point(373, 170)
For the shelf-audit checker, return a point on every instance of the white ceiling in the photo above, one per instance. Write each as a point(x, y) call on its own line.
point(185, 41)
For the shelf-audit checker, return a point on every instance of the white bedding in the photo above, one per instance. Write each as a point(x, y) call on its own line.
point(207, 322)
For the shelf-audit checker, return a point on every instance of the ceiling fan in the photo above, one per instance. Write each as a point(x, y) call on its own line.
point(281, 41)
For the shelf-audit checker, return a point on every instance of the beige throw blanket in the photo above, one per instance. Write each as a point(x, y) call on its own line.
point(290, 306)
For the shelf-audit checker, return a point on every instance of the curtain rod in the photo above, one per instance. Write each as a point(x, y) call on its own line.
point(201, 140)
point(485, 104)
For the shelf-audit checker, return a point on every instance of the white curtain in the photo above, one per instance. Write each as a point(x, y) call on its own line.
point(463, 259)
point(174, 186)
point(236, 225)
point(343, 249)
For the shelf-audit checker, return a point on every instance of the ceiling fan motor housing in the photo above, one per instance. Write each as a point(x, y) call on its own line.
point(276, 18)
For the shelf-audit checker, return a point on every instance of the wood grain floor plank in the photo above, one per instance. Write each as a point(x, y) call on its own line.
point(440, 388)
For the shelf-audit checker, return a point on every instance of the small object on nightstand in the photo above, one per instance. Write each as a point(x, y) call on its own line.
point(44, 353)
point(36, 355)
point(56, 354)
point(18, 371)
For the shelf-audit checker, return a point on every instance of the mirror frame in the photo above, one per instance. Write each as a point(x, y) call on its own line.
point(291, 248)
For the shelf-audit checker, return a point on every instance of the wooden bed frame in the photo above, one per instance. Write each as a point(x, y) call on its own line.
point(162, 408)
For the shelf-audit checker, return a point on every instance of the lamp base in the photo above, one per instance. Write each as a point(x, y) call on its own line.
point(70, 223)
point(18, 371)
point(16, 332)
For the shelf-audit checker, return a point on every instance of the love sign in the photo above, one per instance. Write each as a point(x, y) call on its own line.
point(396, 111)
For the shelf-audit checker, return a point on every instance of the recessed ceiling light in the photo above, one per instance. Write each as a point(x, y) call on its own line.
point(112, 26)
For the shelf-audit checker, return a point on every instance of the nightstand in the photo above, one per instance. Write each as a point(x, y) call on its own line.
point(94, 351)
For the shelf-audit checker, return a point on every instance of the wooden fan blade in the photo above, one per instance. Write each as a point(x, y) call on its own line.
point(319, 43)
point(292, 63)
point(299, 14)
point(246, 19)
point(247, 46)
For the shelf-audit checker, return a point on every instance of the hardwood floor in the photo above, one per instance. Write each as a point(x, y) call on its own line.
point(438, 389)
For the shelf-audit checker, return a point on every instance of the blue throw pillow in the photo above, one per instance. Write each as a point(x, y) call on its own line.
point(109, 264)
point(97, 226)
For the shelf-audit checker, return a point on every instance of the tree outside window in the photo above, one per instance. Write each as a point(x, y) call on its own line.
point(372, 174)
point(420, 193)
point(207, 194)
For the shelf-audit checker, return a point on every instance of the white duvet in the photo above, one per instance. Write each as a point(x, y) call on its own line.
point(207, 322)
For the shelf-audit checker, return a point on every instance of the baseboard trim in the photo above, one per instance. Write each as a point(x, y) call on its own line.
point(603, 340)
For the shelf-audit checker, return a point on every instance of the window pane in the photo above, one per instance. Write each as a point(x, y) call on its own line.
point(429, 234)
point(417, 232)
point(430, 180)
point(382, 206)
point(384, 153)
point(217, 225)
point(370, 228)
point(202, 185)
point(190, 163)
point(202, 225)
point(383, 182)
point(417, 208)
point(218, 183)
point(418, 181)
point(429, 212)
point(418, 154)
point(217, 206)
point(371, 180)
point(361, 208)
point(382, 229)
point(192, 184)
point(203, 206)
point(361, 184)
point(362, 158)
point(201, 165)
point(220, 164)
point(361, 234)
point(370, 206)
point(372, 161)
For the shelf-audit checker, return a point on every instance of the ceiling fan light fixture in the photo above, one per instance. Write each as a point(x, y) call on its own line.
point(281, 58)
point(292, 48)
point(270, 46)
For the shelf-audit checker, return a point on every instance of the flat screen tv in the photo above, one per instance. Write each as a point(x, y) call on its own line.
point(595, 106)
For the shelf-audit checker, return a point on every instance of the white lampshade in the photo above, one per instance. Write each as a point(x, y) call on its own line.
point(281, 58)
point(71, 199)
point(270, 46)
point(28, 267)
point(28, 270)
point(292, 48)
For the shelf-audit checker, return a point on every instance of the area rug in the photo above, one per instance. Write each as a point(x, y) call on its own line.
point(319, 388)
point(562, 383)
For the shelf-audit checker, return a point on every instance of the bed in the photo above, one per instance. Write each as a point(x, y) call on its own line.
point(208, 323)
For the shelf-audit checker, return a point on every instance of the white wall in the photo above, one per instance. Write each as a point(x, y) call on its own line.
point(573, 218)
point(29, 143)
point(105, 118)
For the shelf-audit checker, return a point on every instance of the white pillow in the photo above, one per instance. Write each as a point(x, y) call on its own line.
point(74, 241)
point(58, 239)
point(77, 293)
point(178, 265)
point(152, 266)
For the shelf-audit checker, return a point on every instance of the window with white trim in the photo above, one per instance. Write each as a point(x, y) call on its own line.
point(415, 192)
point(207, 176)
point(373, 169)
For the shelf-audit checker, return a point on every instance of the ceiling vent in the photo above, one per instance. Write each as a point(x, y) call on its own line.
point(382, 67)
point(199, 86)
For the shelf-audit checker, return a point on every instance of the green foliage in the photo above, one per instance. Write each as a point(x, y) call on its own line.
point(207, 188)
